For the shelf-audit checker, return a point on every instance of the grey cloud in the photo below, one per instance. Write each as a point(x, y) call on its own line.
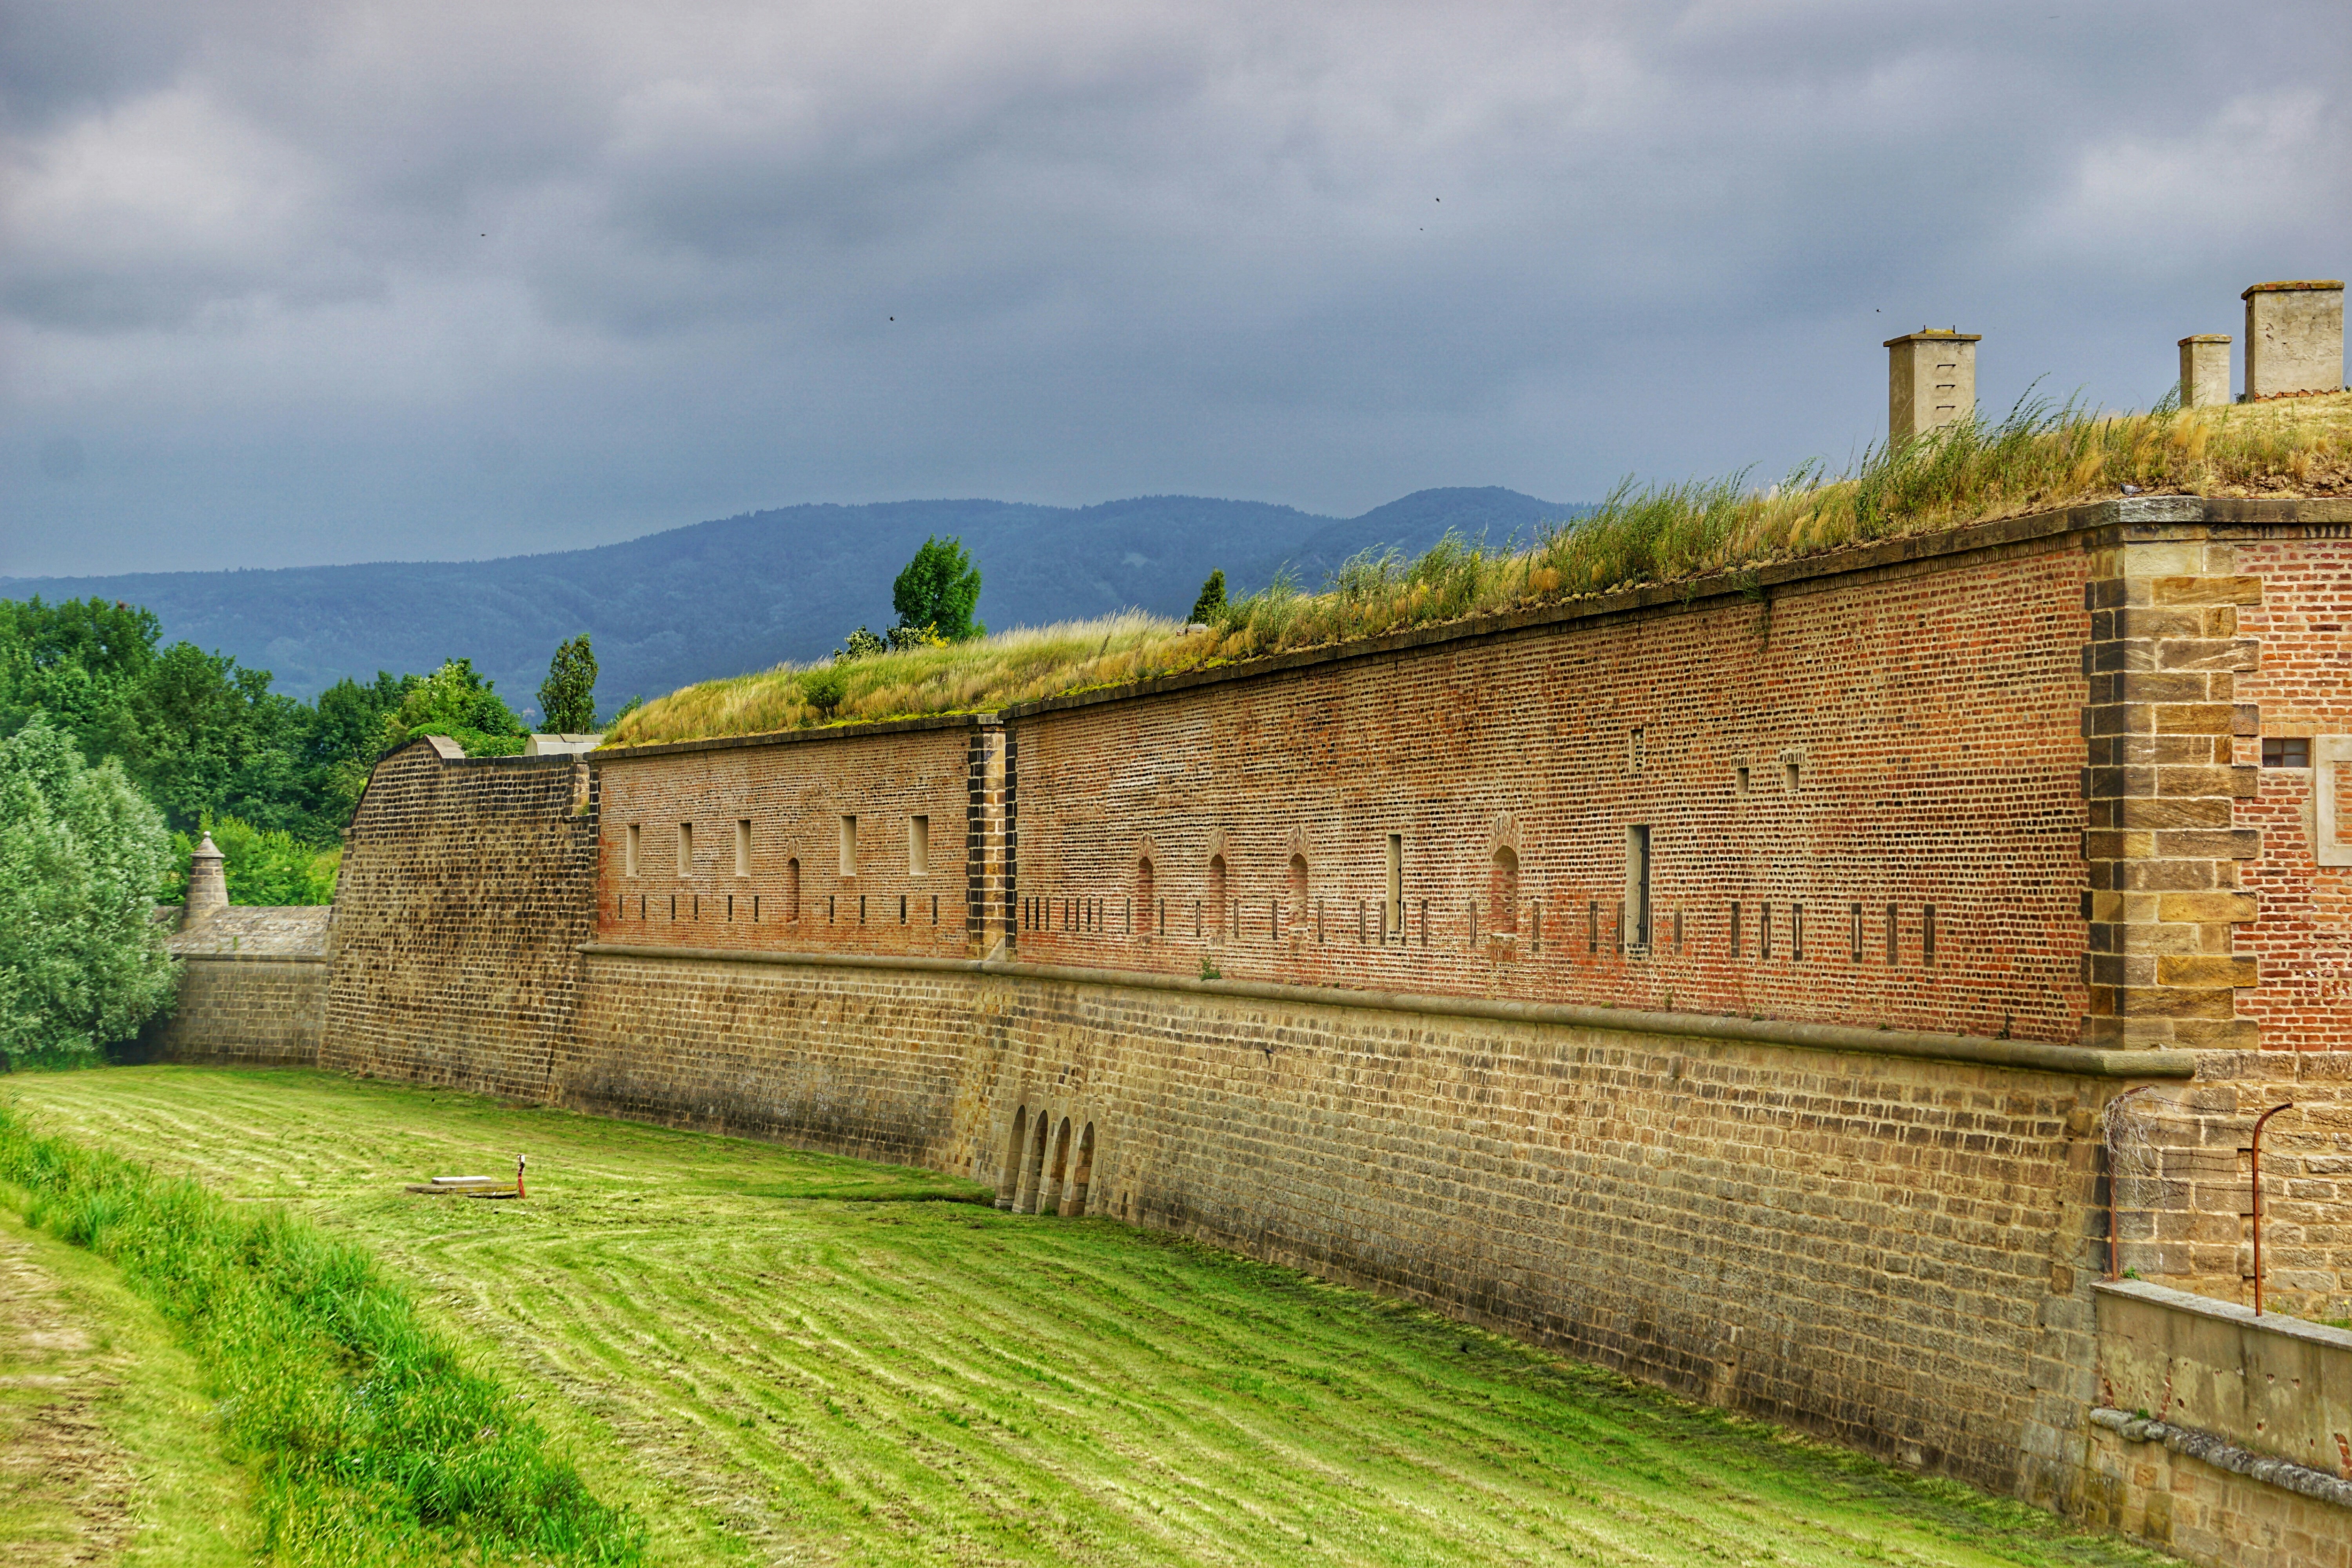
point(1128, 250)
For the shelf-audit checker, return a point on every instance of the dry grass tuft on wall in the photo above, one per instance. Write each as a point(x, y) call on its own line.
point(2037, 457)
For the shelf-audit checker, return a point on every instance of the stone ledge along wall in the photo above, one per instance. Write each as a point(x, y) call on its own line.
point(1887, 1234)
point(467, 885)
point(253, 991)
point(1893, 1252)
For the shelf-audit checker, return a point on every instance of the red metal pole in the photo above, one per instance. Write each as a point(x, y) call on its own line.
point(2254, 1177)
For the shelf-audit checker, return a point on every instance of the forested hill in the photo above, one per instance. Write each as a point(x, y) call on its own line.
point(718, 598)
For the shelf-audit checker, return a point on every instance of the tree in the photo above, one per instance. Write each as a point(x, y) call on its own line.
point(455, 701)
point(938, 589)
point(263, 866)
point(567, 698)
point(82, 962)
point(1210, 605)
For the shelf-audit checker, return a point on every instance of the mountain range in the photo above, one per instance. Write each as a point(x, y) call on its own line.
point(748, 591)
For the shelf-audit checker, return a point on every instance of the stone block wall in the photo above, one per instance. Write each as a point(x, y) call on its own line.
point(2183, 1180)
point(467, 885)
point(238, 1011)
point(252, 989)
point(1893, 1252)
point(2220, 1436)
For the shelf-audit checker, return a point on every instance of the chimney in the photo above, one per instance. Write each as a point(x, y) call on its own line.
point(2295, 338)
point(1931, 381)
point(207, 886)
point(2205, 370)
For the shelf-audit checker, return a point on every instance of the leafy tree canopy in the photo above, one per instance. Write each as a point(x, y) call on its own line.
point(567, 698)
point(82, 962)
point(264, 866)
point(939, 590)
point(455, 701)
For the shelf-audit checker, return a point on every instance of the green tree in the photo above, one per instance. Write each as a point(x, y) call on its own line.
point(567, 698)
point(82, 962)
point(455, 701)
point(1210, 607)
point(264, 865)
point(938, 589)
point(346, 737)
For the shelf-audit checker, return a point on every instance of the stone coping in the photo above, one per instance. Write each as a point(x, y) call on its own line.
point(2293, 286)
point(2224, 1455)
point(202, 956)
point(965, 720)
point(2280, 1323)
point(2028, 1055)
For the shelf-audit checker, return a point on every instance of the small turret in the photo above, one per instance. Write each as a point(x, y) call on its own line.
point(208, 885)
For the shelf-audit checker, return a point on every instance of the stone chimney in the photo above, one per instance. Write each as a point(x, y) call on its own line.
point(2295, 338)
point(2205, 370)
point(207, 886)
point(1931, 381)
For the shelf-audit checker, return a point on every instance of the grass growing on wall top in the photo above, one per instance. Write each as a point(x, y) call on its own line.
point(373, 1442)
point(776, 1356)
point(2037, 458)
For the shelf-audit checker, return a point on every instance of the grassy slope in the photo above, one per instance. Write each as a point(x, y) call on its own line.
point(106, 1441)
point(772, 1374)
point(2035, 459)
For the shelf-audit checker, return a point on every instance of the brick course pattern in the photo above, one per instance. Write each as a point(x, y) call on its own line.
point(242, 1012)
point(1894, 1253)
point(799, 888)
point(252, 989)
point(1815, 770)
point(466, 887)
point(2045, 729)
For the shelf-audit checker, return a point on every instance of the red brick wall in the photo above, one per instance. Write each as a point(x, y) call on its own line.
point(795, 791)
point(1933, 711)
point(2303, 933)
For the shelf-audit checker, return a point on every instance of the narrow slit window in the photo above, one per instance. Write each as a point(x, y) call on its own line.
point(1392, 912)
point(1927, 936)
point(919, 846)
point(1592, 925)
point(792, 889)
point(1790, 770)
point(1764, 930)
point(743, 846)
point(1857, 934)
point(849, 847)
point(1734, 931)
point(1637, 884)
point(1145, 898)
point(1894, 937)
point(1742, 778)
point(686, 849)
point(1797, 933)
point(629, 844)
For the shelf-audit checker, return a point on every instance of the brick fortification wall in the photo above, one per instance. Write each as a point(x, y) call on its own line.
point(253, 991)
point(1571, 972)
point(466, 885)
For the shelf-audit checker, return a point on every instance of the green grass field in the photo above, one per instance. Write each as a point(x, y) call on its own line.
point(780, 1357)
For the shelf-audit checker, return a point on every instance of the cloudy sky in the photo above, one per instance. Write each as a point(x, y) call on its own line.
point(287, 281)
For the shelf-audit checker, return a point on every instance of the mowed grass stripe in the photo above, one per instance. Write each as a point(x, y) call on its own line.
point(773, 1377)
